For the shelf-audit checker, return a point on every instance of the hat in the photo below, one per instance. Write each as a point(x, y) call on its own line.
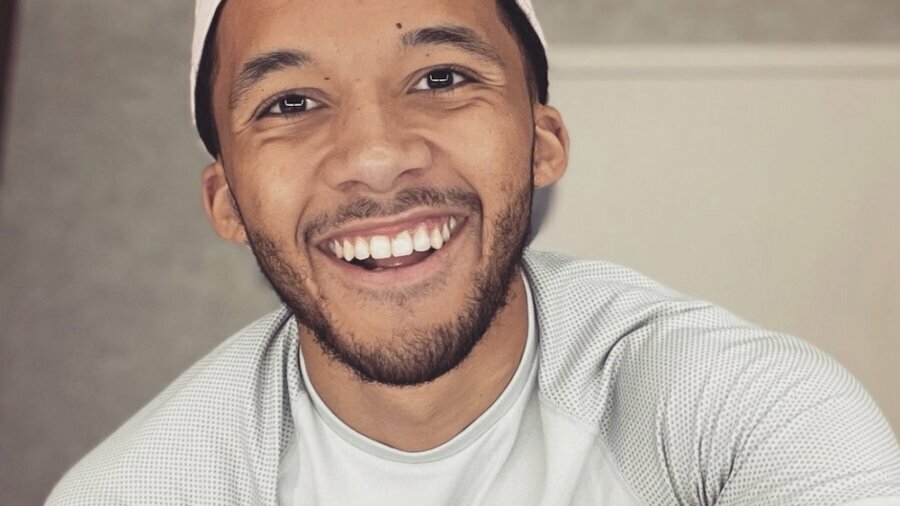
point(205, 11)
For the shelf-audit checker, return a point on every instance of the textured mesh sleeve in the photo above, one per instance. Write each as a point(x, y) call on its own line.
point(699, 407)
point(770, 421)
point(214, 436)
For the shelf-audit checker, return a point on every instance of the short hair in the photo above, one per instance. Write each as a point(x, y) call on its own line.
point(515, 20)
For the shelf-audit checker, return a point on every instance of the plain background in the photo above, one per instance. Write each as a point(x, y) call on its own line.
point(743, 152)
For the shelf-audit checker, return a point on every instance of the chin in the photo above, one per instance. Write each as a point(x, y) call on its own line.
point(414, 322)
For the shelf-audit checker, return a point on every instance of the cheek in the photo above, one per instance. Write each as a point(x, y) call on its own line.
point(492, 153)
point(489, 143)
point(272, 193)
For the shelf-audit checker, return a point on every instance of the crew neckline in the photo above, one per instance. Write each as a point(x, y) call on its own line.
point(516, 387)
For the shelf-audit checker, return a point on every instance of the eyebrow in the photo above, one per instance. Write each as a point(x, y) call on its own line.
point(257, 68)
point(453, 35)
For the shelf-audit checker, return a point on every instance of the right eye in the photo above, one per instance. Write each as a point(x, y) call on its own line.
point(291, 104)
point(441, 79)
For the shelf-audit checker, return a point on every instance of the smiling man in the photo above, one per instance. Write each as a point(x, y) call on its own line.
point(379, 158)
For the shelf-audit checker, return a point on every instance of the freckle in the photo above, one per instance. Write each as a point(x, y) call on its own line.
point(399, 25)
point(328, 79)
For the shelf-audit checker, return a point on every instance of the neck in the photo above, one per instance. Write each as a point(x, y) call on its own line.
point(425, 416)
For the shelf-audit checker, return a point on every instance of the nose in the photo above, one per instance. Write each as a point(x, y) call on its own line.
point(375, 150)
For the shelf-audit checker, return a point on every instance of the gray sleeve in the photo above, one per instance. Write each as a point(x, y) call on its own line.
point(697, 406)
point(770, 420)
point(811, 434)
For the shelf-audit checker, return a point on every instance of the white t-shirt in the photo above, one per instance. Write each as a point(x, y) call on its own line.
point(517, 452)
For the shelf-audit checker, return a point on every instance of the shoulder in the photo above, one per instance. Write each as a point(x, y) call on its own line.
point(686, 391)
point(601, 323)
point(605, 326)
point(199, 439)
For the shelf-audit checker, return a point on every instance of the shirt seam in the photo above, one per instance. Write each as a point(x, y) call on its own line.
point(599, 440)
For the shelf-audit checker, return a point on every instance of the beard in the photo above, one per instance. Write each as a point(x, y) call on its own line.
point(415, 356)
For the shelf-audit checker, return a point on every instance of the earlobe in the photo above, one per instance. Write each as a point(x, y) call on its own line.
point(551, 146)
point(218, 201)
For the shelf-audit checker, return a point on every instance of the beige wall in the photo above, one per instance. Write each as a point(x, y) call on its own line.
point(763, 179)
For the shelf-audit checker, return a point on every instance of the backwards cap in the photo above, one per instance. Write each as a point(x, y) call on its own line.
point(205, 11)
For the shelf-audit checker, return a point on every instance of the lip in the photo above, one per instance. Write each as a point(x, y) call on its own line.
point(412, 274)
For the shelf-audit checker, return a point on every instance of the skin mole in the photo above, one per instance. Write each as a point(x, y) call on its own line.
point(399, 25)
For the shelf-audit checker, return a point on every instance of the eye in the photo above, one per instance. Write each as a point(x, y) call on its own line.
point(439, 79)
point(291, 104)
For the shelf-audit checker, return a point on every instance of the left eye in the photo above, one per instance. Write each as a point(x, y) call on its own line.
point(291, 104)
point(440, 79)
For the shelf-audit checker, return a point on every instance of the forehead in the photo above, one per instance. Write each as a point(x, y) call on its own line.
point(336, 26)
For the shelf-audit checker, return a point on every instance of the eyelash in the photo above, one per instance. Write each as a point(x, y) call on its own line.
point(453, 69)
point(264, 110)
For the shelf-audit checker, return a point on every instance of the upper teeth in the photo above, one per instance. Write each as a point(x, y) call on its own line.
point(422, 238)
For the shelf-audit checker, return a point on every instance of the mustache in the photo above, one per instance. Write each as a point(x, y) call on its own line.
point(402, 201)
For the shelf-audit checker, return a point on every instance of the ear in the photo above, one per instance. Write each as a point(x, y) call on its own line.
point(551, 146)
point(218, 201)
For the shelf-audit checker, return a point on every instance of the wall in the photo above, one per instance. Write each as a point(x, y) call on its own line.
point(764, 179)
point(720, 21)
point(736, 185)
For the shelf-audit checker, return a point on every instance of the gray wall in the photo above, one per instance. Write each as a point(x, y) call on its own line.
point(720, 21)
point(111, 281)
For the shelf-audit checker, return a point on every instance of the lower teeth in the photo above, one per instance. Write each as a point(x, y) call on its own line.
point(370, 264)
point(367, 264)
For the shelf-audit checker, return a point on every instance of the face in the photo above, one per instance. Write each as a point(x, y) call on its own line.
point(379, 158)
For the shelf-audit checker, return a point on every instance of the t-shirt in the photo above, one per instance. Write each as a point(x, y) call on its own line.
point(627, 393)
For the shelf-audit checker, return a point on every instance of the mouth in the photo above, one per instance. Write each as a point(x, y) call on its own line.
point(393, 247)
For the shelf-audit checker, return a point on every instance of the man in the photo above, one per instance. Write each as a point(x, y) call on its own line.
point(379, 158)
